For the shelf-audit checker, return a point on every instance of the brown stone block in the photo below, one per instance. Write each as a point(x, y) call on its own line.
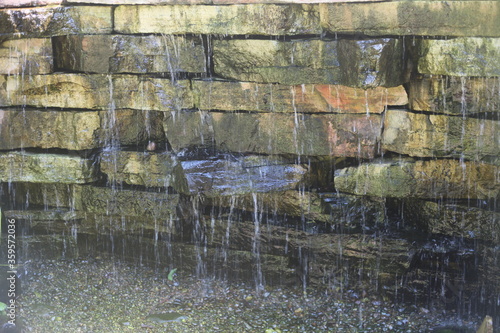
point(28, 56)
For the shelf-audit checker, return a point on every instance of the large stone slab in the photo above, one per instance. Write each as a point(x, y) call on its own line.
point(144, 168)
point(433, 179)
point(158, 94)
point(464, 56)
point(129, 54)
point(29, 56)
point(56, 21)
point(424, 135)
point(46, 168)
point(78, 130)
point(189, 129)
point(270, 133)
point(69, 91)
point(54, 195)
point(249, 96)
point(421, 18)
point(49, 129)
point(255, 19)
point(454, 95)
point(356, 63)
point(339, 135)
point(242, 175)
point(96, 91)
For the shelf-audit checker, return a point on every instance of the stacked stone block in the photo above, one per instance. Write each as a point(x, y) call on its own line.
point(123, 91)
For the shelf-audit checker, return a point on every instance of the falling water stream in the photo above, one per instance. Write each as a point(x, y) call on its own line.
point(221, 233)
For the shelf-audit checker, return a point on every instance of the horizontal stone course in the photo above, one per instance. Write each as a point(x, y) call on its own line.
point(95, 91)
point(255, 19)
point(78, 130)
point(129, 54)
point(249, 96)
point(46, 168)
point(28, 56)
point(420, 18)
point(454, 95)
point(366, 63)
point(56, 21)
point(425, 135)
point(465, 56)
point(342, 135)
point(407, 178)
point(144, 168)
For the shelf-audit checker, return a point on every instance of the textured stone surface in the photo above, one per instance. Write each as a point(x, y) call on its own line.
point(122, 203)
point(45, 168)
point(255, 19)
point(458, 220)
point(230, 96)
point(189, 129)
point(132, 127)
point(431, 179)
point(56, 21)
point(145, 93)
point(269, 133)
point(96, 91)
point(56, 90)
point(144, 168)
point(454, 95)
point(465, 56)
point(55, 195)
point(417, 134)
point(49, 129)
point(28, 56)
point(129, 54)
point(243, 175)
point(431, 18)
point(356, 63)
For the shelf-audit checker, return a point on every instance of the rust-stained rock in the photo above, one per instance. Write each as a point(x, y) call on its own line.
point(268, 133)
point(249, 96)
point(432, 179)
point(29, 56)
point(421, 18)
point(424, 135)
point(129, 54)
point(355, 63)
point(253, 19)
point(454, 95)
point(56, 21)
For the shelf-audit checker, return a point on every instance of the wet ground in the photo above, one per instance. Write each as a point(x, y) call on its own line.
point(107, 295)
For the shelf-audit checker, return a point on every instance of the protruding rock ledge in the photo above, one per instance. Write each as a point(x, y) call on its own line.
point(249, 96)
point(340, 135)
point(454, 95)
point(464, 56)
point(144, 168)
point(46, 168)
point(422, 135)
point(243, 175)
point(56, 21)
point(407, 178)
point(421, 18)
point(253, 19)
point(129, 54)
point(354, 63)
point(96, 91)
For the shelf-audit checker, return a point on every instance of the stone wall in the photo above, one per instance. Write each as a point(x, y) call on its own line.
point(108, 106)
